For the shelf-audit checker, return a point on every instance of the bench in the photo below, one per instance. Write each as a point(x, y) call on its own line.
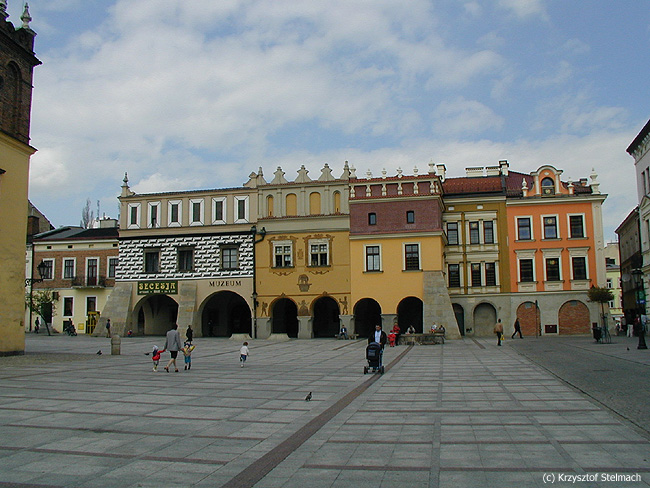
point(419, 339)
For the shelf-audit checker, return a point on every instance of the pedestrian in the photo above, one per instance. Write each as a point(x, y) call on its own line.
point(517, 329)
point(498, 330)
point(173, 345)
point(244, 352)
point(37, 325)
point(629, 330)
point(155, 356)
point(189, 333)
point(108, 327)
point(187, 352)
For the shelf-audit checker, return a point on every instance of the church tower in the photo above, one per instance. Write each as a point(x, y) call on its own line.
point(17, 62)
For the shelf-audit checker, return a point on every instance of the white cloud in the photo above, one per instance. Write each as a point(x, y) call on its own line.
point(462, 117)
point(524, 8)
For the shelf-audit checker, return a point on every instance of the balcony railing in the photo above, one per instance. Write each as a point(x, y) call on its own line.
point(88, 282)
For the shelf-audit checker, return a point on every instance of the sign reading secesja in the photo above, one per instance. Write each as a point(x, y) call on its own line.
point(153, 287)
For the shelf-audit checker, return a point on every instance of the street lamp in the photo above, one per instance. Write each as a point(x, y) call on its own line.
point(639, 294)
point(42, 267)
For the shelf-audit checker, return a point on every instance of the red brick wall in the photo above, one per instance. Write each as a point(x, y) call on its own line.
point(80, 265)
point(391, 216)
point(574, 318)
point(528, 318)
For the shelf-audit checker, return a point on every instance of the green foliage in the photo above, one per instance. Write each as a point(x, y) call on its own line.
point(600, 295)
point(42, 302)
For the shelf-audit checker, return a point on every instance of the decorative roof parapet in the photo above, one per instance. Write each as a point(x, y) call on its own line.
point(278, 177)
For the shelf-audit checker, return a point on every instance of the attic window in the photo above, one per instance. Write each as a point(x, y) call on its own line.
point(548, 186)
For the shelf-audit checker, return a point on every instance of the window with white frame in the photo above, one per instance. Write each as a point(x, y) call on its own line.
point(490, 274)
point(68, 306)
point(48, 270)
point(241, 210)
point(576, 226)
point(283, 254)
point(552, 269)
point(373, 258)
point(411, 257)
point(488, 232)
point(152, 261)
point(196, 211)
point(579, 268)
point(475, 274)
point(68, 268)
point(133, 216)
point(526, 270)
point(112, 267)
point(154, 214)
point(219, 210)
point(550, 227)
point(174, 212)
point(474, 235)
point(319, 252)
point(92, 271)
point(452, 233)
point(524, 229)
point(91, 304)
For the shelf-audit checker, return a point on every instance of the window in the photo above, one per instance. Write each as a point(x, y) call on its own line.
point(410, 217)
point(91, 304)
point(91, 271)
point(454, 275)
point(152, 261)
point(579, 265)
point(241, 210)
point(452, 233)
point(550, 228)
point(552, 269)
point(134, 216)
point(576, 227)
point(112, 267)
point(548, 186)
point(68, 306)
point(219, 210)
point(154, 217)
point(473, 233)
point(490, 274)
point(48, 270)
point(412, 257)
point(68, 268)
point(372, 218)
point(318, 252)
point(196, 212)
point(526, 270)
point(229, 258)
point(488, 232)
point(373, 258)
point(609, 282)
point(523, 229)
point(476, 274)
point(283, 252)
point(185, 260)
point(174, 213)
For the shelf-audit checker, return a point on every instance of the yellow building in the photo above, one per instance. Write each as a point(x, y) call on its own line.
point(17, 61)
point(303, 264)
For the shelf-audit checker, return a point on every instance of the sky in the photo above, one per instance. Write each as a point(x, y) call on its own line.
point(198, 94)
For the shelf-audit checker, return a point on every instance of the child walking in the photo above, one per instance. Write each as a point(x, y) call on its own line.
point(155, 356)
point(243, 353)
point(187, 352)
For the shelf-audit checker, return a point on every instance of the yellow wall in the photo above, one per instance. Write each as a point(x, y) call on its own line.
point(393, 284)
point(14, 159)
point(333, 279)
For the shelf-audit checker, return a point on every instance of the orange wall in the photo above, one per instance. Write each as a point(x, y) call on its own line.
point(562, 209)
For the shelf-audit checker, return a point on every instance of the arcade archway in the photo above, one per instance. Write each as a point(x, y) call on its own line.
point(156, 314)
point(326, 321)
point(410, 312)
point(459, 313)
point(225, 313)
point(485, 316)
point(367, 314)
point(284, 317)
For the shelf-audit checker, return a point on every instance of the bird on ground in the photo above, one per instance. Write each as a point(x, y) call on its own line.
point(99, 353)
point(628, 348)
point(308, 397)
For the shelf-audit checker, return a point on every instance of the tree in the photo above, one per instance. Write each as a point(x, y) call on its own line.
point(600, 295)
point(43, 304)
point(87, 215)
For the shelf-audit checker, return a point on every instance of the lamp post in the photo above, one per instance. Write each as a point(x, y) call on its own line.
point(639, 294)
point(30, 282)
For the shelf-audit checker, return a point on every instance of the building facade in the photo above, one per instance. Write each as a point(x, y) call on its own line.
point(17, 62)
point(80, 269)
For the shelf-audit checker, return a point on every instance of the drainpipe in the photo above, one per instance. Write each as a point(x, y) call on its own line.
point(262, 233)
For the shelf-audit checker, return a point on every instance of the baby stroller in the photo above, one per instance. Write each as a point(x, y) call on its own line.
point(373, 355)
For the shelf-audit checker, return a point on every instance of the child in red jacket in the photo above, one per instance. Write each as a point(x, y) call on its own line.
point(155, 356)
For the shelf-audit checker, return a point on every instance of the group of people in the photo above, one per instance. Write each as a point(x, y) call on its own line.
point(173, 345)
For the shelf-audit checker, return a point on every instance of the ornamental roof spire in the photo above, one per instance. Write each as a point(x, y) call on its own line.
point(26, 18)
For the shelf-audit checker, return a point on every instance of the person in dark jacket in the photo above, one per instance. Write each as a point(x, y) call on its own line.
point(189, 333)
point(378, 336)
